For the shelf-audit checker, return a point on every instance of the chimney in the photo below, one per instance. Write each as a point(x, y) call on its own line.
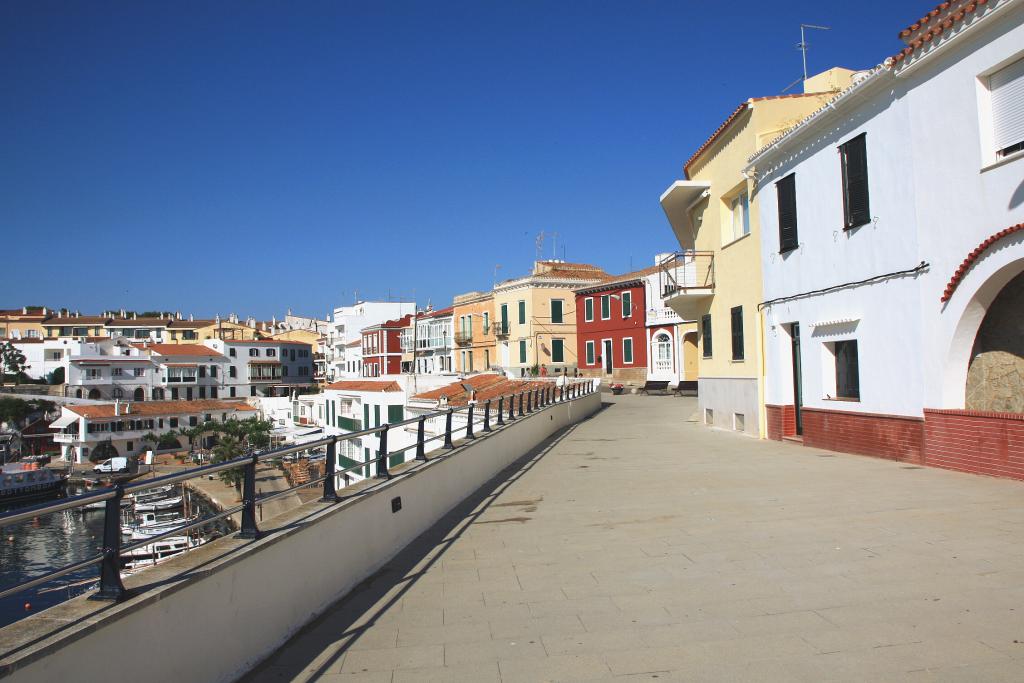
point(216, 319)
point(179, 315)
point(24, 310)
point(135, 316)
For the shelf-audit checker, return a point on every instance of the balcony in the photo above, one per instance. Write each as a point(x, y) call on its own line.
point(501, 329)
point(464, 338)
point(687, 282)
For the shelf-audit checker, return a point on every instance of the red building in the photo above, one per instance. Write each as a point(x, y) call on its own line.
point(611, 337)
point(382, 347)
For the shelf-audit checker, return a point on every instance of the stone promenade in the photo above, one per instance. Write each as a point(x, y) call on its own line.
point(641, 546)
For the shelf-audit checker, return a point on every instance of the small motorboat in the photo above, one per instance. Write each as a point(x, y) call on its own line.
point(154, 504)
point(157, 492)
point(27, 481)
point(155, 553)
point(155, 523)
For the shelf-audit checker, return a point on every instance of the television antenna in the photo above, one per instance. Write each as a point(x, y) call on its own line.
point(803, 45)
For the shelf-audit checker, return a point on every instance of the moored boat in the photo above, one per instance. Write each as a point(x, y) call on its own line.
point(19, 482)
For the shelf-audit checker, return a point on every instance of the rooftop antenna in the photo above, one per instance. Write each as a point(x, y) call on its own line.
point(497, 267)
point(802, 45)
point(554, 246)
point(540, 245)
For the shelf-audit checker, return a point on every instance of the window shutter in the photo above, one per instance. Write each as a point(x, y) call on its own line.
point(1007, 86)
point(705, 329)
point(737, 332)
point(854, 159)
point(786, 191)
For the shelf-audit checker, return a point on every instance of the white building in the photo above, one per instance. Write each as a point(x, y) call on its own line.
point(346, 327)
point(893, 248)
point(264, 367)
point(434, 341)
point(671, 341)
point(80, 428)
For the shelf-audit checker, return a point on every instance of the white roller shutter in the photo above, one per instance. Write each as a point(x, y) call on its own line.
point(1007, 86)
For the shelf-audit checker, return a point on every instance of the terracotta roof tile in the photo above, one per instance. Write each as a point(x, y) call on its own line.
point(937, 21)
point(180, 349)
point(364, 385)
point(139, 408)
point(487, 387)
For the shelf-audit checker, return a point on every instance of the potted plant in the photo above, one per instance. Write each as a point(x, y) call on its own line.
point(617, 388)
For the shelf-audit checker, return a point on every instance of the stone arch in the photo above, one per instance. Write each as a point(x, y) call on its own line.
point(995, 371)
point(78, 393)
point(962, 344)
point(139, 394)
point(94, 394)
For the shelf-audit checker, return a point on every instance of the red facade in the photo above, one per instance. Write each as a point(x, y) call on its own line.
point(382, 348)
point(606, 321)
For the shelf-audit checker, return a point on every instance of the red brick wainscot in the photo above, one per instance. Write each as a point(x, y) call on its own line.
point(781, 421)
point(894, 437)
point(975, 441)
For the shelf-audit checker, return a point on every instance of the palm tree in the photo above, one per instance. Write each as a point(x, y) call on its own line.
point(226, 449)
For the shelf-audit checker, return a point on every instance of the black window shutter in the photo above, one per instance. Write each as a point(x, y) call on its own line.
point(737, 333)
point(786, 190)
point(854, 157)
point(705, 328)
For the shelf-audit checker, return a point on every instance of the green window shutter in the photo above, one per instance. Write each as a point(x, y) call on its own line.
point(395, 414)
point(854, 159)
point(590, 353)
point(556, 310)
point(606, 307)
point(737, 332)
point(366, 415)
point(627, 304)
point(588, 310)
point(522, 312)
point(376, 416)
point(522, 351)
point(557, 351)
point(627, 350)
point(705, 330)
point(786, 192)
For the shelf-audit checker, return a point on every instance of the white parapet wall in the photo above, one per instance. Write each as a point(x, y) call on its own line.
point(227, 606)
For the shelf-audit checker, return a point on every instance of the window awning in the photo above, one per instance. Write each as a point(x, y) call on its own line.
point(676, 201)
point(835, 323)
point(66, 419)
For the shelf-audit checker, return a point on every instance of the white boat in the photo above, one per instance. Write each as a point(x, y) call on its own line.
point(126, 502)
point(18, 483)
point(158, 492)
point(155, 553)
point(154, 524)
point(159, 504)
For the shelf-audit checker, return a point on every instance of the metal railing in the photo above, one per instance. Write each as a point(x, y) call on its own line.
point(687, 270)
point(496, 414)
point(462, 337)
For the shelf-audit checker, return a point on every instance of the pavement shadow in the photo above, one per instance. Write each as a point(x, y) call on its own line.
point(364, 604)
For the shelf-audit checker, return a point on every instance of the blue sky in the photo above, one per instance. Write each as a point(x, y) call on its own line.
point(251, 157)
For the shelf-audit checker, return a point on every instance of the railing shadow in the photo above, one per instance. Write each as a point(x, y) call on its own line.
point(336, 624)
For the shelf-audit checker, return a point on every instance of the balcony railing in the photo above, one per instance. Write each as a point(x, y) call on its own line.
point(689, 270)
point(501, 329)
point(463, 338)
point(489, 416)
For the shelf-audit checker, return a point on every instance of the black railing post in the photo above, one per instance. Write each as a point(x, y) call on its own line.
point(521, 403)
point(512, 408)
point(111, 587)
point(561, 393)
point(249, 529)
point(487, 415)
point(421, 451)
point(501, 410)
point(330, 495)
point(448, 430)
point(469, 422)
point(529, 401)
point(382, 453)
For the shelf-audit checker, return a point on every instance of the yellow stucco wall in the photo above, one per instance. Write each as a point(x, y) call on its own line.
point(480, 352)
point(538, 331)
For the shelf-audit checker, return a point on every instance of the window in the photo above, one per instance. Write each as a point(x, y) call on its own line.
point(705, 332)
point(231, 352)
point(213, 392)
point(232, 371)
point(847, 374)
point(588, 309)
point(252, 391)
point(1007, 88)
point(522, 350)
point(785, 190)
point(213, 371)
point(627, 304)
point(271, 352)
point(522, 312)
point(736, 315)
point(557, 350)
point(202, 392)
point(116, 372)
point(487, 321)
point(118, 393)
point(231, 392)
point(254, 352)
point(202, 371)
point(92, 373)
point(854, 159)
point(556, 310)
point(740, 209)
point(627, 350)
point(606, 307)
point(487, 359)
point(139, 372)
point(590, 353)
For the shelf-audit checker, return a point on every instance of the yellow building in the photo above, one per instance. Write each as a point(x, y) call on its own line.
point(305, 336)
point(536, 317)
point(475, 345)
point(716, 223)
point(23, 323)
point(68, 326)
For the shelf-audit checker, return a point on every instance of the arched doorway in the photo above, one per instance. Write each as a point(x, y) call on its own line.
point(662, 357)
point(995, 372)
point(94, 394)
point(78, 393)
point(140, 394)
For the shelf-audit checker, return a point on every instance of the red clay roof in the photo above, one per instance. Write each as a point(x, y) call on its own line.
point(364, 385)
point(487, 387)
point(936, 22)
point(438, 313)
point(80, 320)
point(619, 279)
point(139, 322)
point(265, 341)
point(180, 349)
point(138, 408)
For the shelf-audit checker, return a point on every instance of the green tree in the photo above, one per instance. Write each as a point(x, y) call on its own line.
point(227, 448)
point(56, 377)
point(12, 361)
point(14, 410)
point(168, 440)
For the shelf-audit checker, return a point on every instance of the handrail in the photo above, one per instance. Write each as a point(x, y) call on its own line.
point(110, 587)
